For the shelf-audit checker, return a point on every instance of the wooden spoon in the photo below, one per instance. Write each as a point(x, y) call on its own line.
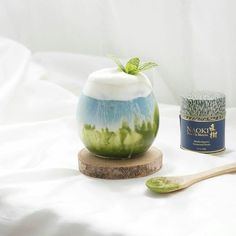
point(171, 184)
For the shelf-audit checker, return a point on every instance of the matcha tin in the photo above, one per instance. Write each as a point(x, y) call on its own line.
point(117, 114)
point(202, 121)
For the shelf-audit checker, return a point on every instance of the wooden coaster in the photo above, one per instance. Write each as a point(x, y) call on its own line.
point(143, 165)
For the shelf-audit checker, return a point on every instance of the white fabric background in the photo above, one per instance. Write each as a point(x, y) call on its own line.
point(41, 191)
point(192, 40)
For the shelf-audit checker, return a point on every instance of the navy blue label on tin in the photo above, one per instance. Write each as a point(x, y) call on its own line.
point(202, 136)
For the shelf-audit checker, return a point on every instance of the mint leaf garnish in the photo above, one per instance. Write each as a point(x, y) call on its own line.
point(118, 63)
point(147, 66)
point(133, 66)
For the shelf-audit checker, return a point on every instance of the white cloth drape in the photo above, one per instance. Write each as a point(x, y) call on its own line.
point(42, 192)
point(192, 40)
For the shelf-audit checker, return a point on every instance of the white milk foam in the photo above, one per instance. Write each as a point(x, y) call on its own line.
point(111, 84)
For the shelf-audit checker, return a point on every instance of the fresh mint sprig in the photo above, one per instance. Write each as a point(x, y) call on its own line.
point(133, 66)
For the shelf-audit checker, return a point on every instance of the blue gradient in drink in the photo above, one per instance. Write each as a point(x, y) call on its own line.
point(106, 113)
point(118, 129)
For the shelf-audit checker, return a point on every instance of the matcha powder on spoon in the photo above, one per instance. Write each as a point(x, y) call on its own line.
point(162, 185)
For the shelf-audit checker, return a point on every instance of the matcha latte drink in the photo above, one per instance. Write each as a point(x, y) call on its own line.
point(117, 114)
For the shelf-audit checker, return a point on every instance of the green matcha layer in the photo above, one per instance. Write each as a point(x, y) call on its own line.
point(122, 143)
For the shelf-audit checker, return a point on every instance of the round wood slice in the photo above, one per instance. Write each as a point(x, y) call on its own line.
point(142, 165)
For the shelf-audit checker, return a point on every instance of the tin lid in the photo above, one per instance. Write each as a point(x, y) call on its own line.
point(203, 105)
